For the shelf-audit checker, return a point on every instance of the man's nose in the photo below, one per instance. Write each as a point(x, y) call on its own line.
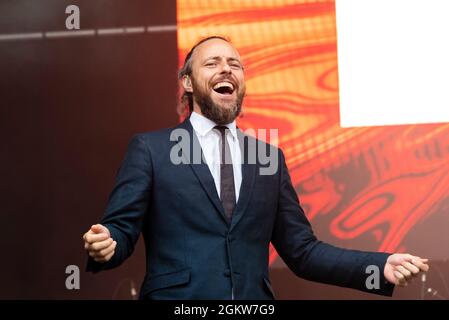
point(226, 68)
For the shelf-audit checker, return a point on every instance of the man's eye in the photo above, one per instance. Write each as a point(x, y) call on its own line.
point(236, 66)
point(210, 64)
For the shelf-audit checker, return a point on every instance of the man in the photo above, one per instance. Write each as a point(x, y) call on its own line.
point(207, 224)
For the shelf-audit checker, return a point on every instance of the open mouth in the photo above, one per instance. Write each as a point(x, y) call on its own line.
point(225, 88)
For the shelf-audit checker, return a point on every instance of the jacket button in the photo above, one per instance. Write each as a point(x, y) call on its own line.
point(227, 273)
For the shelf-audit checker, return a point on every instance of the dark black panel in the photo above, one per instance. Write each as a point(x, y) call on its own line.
point(69, 106)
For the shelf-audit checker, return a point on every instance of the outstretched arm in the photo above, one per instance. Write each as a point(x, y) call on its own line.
point(125, 211)
point(314, 260)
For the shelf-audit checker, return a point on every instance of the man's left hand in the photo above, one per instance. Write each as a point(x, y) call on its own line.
point(401, 268)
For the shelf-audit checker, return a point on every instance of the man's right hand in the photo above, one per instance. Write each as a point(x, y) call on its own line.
point(99, 244)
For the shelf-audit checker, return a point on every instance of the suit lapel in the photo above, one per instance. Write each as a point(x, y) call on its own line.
point(248, 179)
point(201, 170)
point(204, 176)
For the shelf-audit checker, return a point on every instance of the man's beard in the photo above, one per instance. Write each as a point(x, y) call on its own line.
point(213, 111)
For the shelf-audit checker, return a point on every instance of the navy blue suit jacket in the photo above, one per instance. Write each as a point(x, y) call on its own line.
point(193, 252)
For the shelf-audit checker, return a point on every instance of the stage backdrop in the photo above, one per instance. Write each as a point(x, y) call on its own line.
point(380, 188)
point(71, 101)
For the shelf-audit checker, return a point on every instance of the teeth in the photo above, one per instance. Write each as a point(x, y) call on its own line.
point(224, 84)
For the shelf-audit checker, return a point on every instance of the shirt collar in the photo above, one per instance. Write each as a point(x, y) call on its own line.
point(203, 125)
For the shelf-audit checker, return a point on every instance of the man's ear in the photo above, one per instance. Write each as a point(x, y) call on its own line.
point(187, 84)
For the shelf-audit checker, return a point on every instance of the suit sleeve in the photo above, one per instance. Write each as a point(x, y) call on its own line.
point(314, 260)
point(127, 203)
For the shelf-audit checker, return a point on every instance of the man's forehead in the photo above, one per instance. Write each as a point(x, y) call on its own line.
point(215, 48)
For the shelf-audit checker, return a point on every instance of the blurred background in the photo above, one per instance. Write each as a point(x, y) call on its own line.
point(71, 100)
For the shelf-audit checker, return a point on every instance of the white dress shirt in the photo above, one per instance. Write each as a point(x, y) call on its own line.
point(210, 144)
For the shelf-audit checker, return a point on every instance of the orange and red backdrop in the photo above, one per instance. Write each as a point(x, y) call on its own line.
point(377, 188)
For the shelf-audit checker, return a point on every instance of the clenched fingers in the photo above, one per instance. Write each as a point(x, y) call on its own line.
point(405, 272)
point(91, 237)
point(105, 259)
point(410, 267)
point(103, 253)
point(421, 264)
point(97, 246)
point(400, 278)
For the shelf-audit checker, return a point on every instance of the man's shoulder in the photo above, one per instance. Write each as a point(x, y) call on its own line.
point(158, 137)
